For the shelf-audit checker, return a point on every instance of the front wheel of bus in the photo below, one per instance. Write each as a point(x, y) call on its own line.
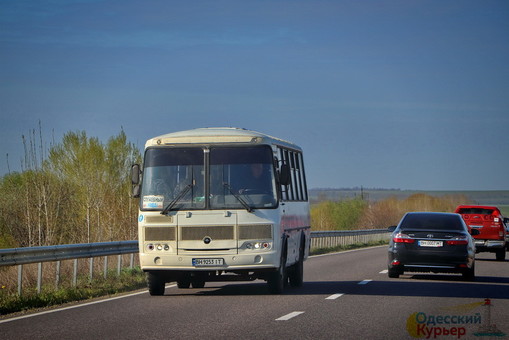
point(155, 284)
point(278, 278)
point(296, 274)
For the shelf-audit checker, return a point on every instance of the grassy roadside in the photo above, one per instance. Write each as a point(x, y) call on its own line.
point(129, 280)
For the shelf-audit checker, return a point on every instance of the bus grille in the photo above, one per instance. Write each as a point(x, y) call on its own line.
point(255, 232)
point(226, 232)
point(160, 234)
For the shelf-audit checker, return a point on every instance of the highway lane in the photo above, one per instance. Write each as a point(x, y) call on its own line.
point(345, 296)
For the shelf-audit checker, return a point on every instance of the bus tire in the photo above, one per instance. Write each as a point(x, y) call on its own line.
point(155, 284)
point(183, 284)
point(184, 281)
point(197, 283)
point(296, 275)
point(277, 279)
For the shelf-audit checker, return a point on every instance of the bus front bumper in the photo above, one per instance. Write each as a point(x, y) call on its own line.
point(226, 262)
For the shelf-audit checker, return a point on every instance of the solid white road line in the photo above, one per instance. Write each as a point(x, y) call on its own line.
point(385, 271)
point(78, 306)
point(289, 316)
point(334, 296)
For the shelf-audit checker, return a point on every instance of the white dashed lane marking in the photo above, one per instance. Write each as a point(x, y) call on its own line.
point(334, 296)
point(289, 316)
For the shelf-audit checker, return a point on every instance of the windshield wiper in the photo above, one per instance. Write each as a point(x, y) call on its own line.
point(244, 203)
point(181, 194)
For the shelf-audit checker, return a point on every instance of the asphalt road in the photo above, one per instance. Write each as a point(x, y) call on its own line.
point(346, 295)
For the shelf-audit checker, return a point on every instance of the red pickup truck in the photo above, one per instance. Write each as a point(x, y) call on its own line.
point(490, 222)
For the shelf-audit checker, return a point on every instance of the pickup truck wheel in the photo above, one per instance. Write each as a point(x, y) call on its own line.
point(500, 254)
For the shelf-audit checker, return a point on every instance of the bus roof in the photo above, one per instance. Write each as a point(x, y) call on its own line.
point(218, 135)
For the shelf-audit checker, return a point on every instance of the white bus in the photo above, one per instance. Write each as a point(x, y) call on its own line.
point(222, 204)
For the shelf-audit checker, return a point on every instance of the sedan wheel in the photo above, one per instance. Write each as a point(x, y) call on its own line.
point(394, 273)
point(469, 273)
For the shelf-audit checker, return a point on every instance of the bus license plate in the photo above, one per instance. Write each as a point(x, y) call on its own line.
point(208, 262)
point(431, 243)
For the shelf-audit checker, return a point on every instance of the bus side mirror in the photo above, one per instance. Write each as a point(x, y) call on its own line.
point(135, 179)
point(135, 174)
point(284, 174)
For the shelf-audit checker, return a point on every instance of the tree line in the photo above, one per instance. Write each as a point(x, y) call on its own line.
point(357, 213)
point(75, 191)
point(79, 191)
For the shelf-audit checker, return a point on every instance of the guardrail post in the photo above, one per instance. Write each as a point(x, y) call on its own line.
point(119, 265)
point(91, 272)
point(20, 279)
point(131, 264)
point(105, 267)
point(75, 273)
point(57, 275)
point(39, 277)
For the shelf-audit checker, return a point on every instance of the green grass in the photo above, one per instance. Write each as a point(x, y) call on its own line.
point(129, 279)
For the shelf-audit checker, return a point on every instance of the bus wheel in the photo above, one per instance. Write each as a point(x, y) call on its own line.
point(155, 284)
point(184, 281)
point(197, 283)
point(296, 274)
point(277, 279)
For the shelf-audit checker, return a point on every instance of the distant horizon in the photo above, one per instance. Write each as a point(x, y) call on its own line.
point(398, 189)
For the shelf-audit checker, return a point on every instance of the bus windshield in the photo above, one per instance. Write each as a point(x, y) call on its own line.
point(170, 174)
point(242, 174)
point(238, 177)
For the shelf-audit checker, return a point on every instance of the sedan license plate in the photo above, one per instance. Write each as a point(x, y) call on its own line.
point(435, 244)
point(208, 262)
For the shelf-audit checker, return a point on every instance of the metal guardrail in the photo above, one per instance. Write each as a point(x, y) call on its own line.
point(331, 239)
point(39, 255)
point(17, 256)
point(28, 255)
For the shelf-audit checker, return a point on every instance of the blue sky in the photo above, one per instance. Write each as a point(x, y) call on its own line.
point(389, 94)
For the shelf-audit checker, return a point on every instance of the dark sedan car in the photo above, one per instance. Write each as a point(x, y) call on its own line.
point(431, 242)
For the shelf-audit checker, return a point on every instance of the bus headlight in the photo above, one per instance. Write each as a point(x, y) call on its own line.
point(263, 245)
point(158, 247)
